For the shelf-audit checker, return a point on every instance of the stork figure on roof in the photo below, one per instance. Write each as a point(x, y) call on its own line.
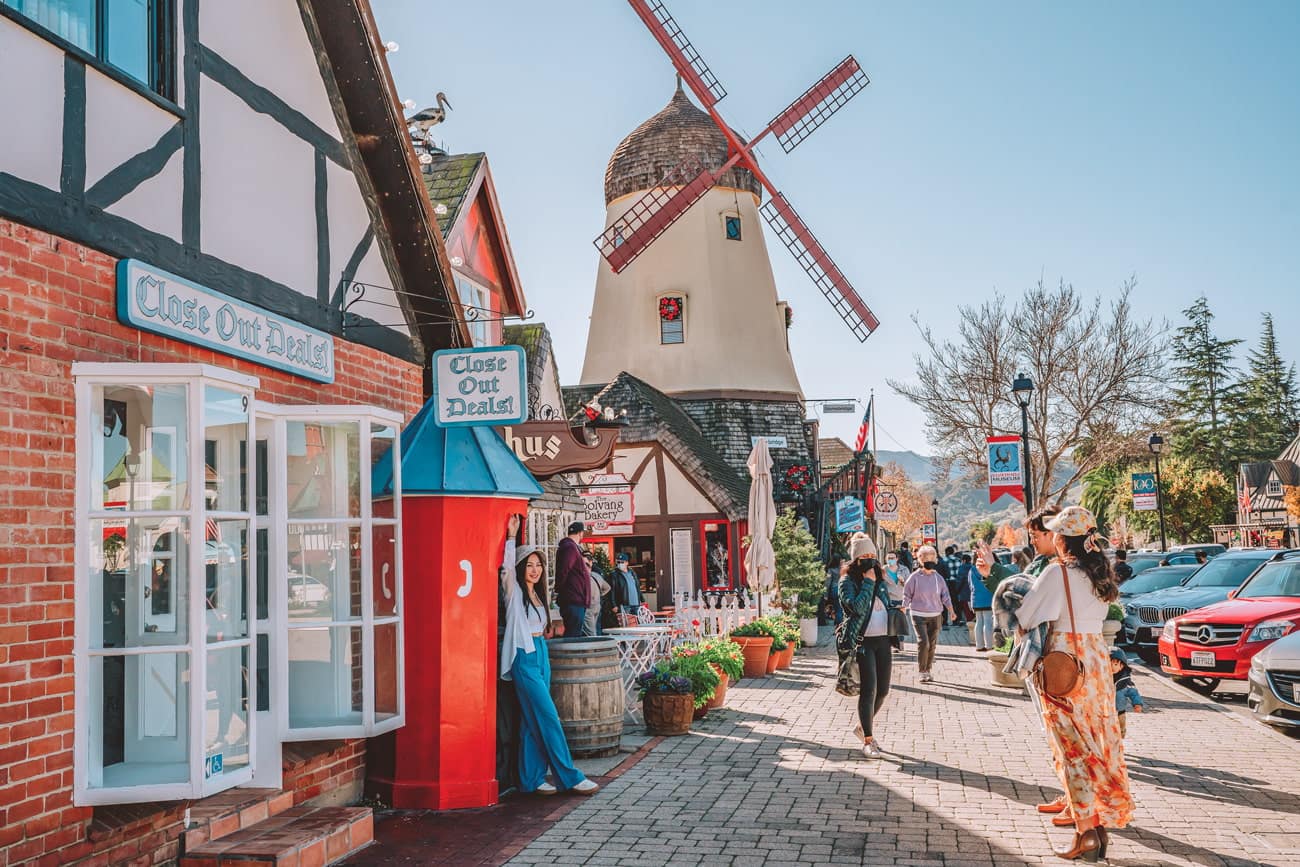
point(646, 220)
point(426, 118)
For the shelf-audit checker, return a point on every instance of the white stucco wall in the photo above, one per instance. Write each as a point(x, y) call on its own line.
point(33, 109)
point(735, 331)
point(120, 123)
point(684, 498)
point(156, 203)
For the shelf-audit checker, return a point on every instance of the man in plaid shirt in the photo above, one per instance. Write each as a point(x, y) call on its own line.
point(952, 564)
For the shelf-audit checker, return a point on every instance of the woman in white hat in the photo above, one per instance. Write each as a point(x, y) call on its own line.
point(1073, 595)
point(864, 595)
point(526, 660)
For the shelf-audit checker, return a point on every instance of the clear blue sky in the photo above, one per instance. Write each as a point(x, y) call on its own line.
point(997, 142)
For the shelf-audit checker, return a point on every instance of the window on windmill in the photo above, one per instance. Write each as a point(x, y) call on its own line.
point(733, 228)
point(672, 319)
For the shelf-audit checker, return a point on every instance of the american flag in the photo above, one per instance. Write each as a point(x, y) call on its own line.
point(864, 429)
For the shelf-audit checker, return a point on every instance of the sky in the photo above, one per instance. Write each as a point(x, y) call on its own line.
point(998, 143)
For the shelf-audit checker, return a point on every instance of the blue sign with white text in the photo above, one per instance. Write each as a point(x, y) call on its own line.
point(850, 515)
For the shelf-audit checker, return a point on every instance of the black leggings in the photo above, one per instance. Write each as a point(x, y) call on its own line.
point(875, 658)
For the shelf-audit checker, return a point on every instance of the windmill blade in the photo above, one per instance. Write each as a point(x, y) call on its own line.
point(818, 103)
point(653, 213)
point(694, 71)
point(809, 253)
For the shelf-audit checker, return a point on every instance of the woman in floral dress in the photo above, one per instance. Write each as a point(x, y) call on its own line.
point(1083, 728)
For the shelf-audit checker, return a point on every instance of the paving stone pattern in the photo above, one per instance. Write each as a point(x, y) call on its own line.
point(778, 779)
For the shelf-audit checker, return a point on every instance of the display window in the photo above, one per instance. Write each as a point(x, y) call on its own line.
point(224, 551)
point(715, 554)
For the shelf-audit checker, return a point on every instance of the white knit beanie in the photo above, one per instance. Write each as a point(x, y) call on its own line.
point(861, 546)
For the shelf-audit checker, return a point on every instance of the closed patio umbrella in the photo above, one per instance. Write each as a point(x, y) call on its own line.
point(760, 559)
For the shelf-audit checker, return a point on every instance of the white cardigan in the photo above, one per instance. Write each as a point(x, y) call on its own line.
point(1046, 601)
point(519, 634)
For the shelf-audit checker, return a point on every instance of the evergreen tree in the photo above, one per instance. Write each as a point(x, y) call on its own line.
point(1269, 402)
point(1204, 384)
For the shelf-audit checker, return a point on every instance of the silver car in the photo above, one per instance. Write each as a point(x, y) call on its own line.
point(1275, 683)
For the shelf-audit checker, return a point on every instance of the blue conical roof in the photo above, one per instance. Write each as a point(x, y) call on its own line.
point(454, 460)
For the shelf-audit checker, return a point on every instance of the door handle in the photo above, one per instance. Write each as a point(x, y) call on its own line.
point(468, 568)
point(383, 581)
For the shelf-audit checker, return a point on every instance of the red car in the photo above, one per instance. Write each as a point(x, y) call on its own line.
point(1216, 643)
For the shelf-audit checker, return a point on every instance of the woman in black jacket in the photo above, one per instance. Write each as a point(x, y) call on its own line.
point(864, 595)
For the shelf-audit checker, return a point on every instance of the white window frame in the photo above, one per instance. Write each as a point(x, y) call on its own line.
point(480, 303)
point(278, 522)
point(197, 377)
point(1273, 488)
point(661, 322)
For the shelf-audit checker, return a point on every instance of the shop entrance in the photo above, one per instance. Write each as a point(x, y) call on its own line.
point(644, 564)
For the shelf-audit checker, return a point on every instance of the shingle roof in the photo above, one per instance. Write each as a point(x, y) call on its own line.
point(834, 453)
point(535, 338)
point(730, 424)
point(448, 179)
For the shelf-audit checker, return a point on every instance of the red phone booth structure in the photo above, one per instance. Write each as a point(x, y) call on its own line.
point(459, 485)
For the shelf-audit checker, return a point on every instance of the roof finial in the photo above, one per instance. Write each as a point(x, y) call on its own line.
point(679, 82)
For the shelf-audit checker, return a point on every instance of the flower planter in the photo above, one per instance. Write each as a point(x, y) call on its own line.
point(756, 653)
point(719, 694)
point(773, 660)
point(808, 631)
point(700, 712)
point(1110, 630)
point(998, 677)
point(785, 658)
point(668, 713)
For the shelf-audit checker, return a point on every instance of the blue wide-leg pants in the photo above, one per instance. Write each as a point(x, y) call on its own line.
point(541, 738)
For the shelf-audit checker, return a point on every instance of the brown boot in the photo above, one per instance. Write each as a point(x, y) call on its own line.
point(1086, 846)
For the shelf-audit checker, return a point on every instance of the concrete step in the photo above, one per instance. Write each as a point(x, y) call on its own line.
point(297, 837)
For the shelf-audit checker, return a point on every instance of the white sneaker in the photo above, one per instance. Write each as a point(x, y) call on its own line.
point(544, 789)
point(870, 750)
point(586, 787)
point(857, 731)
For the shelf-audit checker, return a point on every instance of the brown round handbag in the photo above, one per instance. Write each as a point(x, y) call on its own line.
point(1059, 673)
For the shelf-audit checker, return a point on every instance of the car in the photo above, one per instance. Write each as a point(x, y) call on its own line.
point(1275, 683)
point(1143, 560)
point(1209, 584)
point(1139, 631)
point(1213, 549)
point(1218, 641)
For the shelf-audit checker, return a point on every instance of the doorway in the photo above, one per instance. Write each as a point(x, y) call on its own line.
point(640, 551)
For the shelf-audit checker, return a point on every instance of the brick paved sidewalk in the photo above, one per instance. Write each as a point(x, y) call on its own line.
point(778, 779)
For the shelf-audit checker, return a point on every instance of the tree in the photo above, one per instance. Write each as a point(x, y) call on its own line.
point(1269, 402)
point(983, 531)
point(1097, 372)
point(1008, 536)
point(1101, 488)
point(913, 502)
point(1194, 498)
point(1204, 382)
point(798, 560)
point(1291, 496)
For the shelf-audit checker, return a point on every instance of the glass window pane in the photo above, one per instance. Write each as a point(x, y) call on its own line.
point(225, 438)
point(141, 735)
point(324, 469)
point(263, 479)
point(139, 582)
point(74, 20)
point(324, 576)
point(263, 574)
point(225, 568)
point(382, 437)
point(226, 722)
point(325, 677)
point(386, 656)
point(126, 34)
point(263, 672)
point(384, 566)
point(140, 447)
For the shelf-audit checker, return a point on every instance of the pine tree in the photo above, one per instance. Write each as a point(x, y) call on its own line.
point(1204, 375)
point(1269, 400)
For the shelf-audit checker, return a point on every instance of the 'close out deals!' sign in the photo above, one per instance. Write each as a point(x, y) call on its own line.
point(484, 386)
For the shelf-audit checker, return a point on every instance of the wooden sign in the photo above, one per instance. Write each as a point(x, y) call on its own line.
point(548, 448)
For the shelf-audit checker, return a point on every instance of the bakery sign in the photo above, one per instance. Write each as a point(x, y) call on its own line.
point(548, 448)
point(608, 504)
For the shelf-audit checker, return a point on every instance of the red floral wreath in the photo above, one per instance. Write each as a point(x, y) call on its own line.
point(798, 477)
point(670, 309)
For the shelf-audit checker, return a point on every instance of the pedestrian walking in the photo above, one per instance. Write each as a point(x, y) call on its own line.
point(895, 578)
point(926, 597)
point(572, 580)
point(599, 590)
point(624, 589)
point(526, 661)
point(981, 597)
point(1127, 697)
point(905, 557)
point(865, 598)
point(1073, 595)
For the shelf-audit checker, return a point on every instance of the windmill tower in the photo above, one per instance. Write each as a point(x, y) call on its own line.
point(685, 296)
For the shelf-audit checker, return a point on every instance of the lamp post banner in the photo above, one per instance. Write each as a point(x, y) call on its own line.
point(1144, 492)
point(1006, 472)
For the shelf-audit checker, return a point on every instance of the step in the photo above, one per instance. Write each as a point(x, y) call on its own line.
point(224, 813)
point(297, 837)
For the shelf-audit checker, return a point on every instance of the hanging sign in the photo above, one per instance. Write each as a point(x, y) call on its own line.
point(849, 515)
point(608, 504)
point(549, 448)
point(154, 300)
point(928, 535)
point(1006, 475)
point(772, 442)
point(482, 386)
point(1144, 492)
point(886, 505)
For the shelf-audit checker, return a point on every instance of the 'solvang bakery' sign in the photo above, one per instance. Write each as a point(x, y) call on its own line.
point(549, 448)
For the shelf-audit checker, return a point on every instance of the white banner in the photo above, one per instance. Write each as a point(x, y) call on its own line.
point(886, 506)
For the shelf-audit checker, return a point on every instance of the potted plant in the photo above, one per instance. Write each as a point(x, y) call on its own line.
point(1114, 622)
point(727, 660)
point(997, 661)
point(756, 644)
point(667, 699)
point(807, 614)
point(695, 667)
point(788, 628)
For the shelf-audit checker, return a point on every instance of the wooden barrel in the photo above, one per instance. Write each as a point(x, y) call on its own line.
point(587, 688)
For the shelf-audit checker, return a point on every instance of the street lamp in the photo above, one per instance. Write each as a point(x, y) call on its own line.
point(934, 504)
point(1022, 388)
point(1157, 443)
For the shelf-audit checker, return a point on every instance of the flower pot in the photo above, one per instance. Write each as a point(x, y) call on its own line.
point(808, 631)
point(773, 660)
point(756, 653)
point(719, 694)
point(1110, 629)
point(785, 658)
point(668, 713)
point(700, 712)
point(997, 676)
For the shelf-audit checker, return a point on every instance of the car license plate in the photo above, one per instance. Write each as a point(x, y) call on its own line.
point(1203, 659)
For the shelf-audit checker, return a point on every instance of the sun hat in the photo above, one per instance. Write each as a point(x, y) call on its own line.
point(1072, 521)
point(861, 546)
point(522, 552)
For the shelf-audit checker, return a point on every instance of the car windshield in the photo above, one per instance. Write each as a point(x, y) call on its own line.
point(1143, 562)
point(1153, 579)
point(1224, 572)
point(1275, 579)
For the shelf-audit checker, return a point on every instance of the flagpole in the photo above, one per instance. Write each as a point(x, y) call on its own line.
point(874, 425)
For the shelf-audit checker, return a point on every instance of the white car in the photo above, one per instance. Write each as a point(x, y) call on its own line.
point(1275, 683)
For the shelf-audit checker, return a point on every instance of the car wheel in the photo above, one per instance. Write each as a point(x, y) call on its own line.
point(1203, 685)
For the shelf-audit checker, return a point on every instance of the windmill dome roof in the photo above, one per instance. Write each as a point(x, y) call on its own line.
point(678, 131)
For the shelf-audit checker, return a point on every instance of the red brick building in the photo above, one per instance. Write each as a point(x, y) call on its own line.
point(220, 281)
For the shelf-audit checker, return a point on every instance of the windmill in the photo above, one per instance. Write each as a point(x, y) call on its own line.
point(652, 214)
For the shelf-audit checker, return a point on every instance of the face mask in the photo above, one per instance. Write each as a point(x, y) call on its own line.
point(892, 563)
point(869, 563)
point(929, 564)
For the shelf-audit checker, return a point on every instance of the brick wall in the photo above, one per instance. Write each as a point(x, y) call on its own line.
point(57, 306)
